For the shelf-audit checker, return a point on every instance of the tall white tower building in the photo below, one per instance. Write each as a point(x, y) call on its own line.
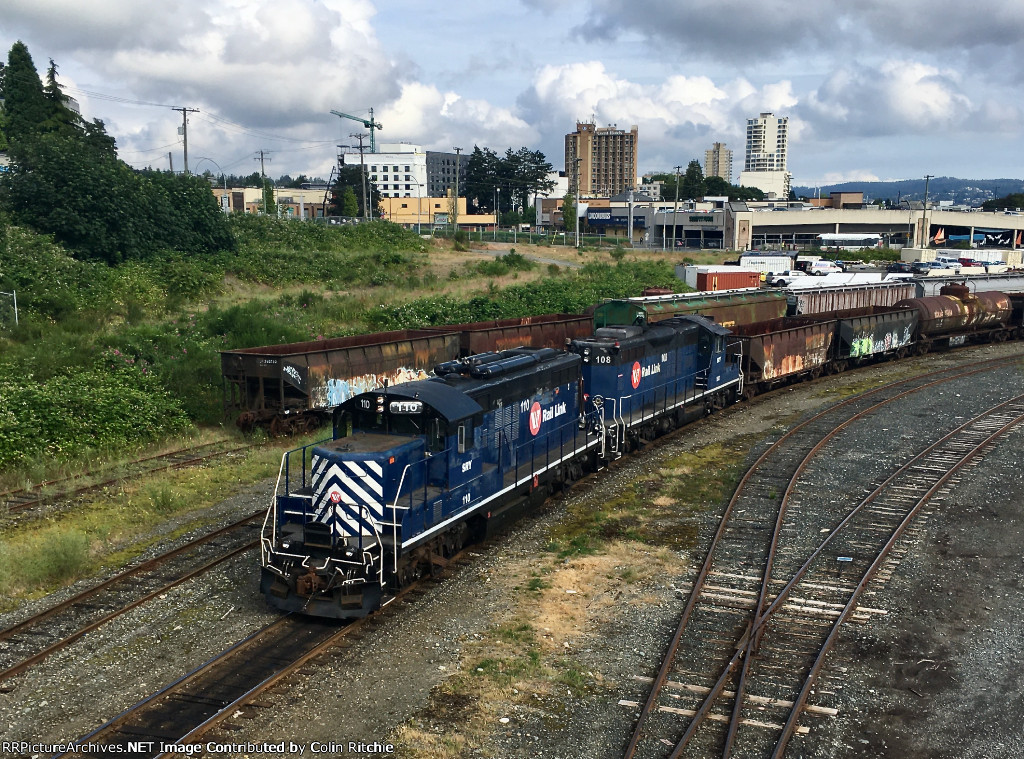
point(765, 163)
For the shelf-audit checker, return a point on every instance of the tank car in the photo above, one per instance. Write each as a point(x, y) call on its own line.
point(957, 314)
point(416, 470)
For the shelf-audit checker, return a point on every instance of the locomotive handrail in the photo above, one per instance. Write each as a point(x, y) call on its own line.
point(394, 508)
point(273, 504)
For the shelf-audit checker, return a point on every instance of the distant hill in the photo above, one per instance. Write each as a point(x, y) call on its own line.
point(971, 192)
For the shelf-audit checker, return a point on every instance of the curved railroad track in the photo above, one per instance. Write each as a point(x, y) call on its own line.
point(724, 619)
point(20, 500)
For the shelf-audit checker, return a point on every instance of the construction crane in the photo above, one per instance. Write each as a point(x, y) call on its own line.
point(368, 123)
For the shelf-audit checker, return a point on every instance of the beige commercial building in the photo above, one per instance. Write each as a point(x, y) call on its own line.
point(718, 162)
point(607, 159)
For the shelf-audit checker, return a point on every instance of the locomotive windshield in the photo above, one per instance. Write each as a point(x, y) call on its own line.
point(395, 418)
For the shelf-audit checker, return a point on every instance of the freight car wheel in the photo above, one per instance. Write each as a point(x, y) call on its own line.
point(279, 426)
point(923, 347)
point(246, 421)
point(750, 391)
point(1000, 336)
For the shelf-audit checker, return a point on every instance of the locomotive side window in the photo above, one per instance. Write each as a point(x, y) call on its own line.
point(465, 436)
point(704, 343)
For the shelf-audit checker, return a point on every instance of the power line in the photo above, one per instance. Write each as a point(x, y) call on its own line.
point(211, 117)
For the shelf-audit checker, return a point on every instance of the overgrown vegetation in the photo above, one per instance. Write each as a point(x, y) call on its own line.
point(572, 293)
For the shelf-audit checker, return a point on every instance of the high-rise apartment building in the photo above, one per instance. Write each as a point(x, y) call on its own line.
point(765, 163)
point(607, 159)
point(767, 142)
point(718, 162)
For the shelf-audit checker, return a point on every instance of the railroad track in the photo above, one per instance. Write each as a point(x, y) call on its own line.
point(724, 622)
point(20, 500)
point(32, 640)
point(209, 696)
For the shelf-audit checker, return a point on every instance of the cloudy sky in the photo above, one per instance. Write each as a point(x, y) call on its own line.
point(873, 90)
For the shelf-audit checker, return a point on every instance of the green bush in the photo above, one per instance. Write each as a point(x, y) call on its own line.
point(114, 406)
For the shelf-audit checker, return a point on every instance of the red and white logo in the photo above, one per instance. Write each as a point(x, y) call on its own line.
point(635, 376)
point(535, 418)
point(335, 496)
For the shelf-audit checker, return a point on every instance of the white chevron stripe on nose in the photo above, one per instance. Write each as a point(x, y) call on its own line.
point(374, 483)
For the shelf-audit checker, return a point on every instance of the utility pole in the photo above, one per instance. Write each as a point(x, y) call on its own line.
point(455, 206)
point(925, 227)
point(170, 160)
point(261, 156)
point(675, 208)
point(576, 210)
point(184, 129)
point(362, 173)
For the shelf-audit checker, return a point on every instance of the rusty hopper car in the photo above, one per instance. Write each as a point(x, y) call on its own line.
point(782, 349)
point(281, 384)
point(819, 300)
point(726, 308)
point(546, 331)
point(292, 387)
point(863, 334)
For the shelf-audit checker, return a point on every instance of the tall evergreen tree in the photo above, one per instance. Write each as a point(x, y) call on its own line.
point(691, 186)
point(25, 106)
point(59, 118)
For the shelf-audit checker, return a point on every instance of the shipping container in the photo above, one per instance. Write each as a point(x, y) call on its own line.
point(726, 308)
point(767, 264)
point(817, 300)
point(718, 278)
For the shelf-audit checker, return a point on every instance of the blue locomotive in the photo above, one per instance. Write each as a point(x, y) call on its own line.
point(417, 470)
